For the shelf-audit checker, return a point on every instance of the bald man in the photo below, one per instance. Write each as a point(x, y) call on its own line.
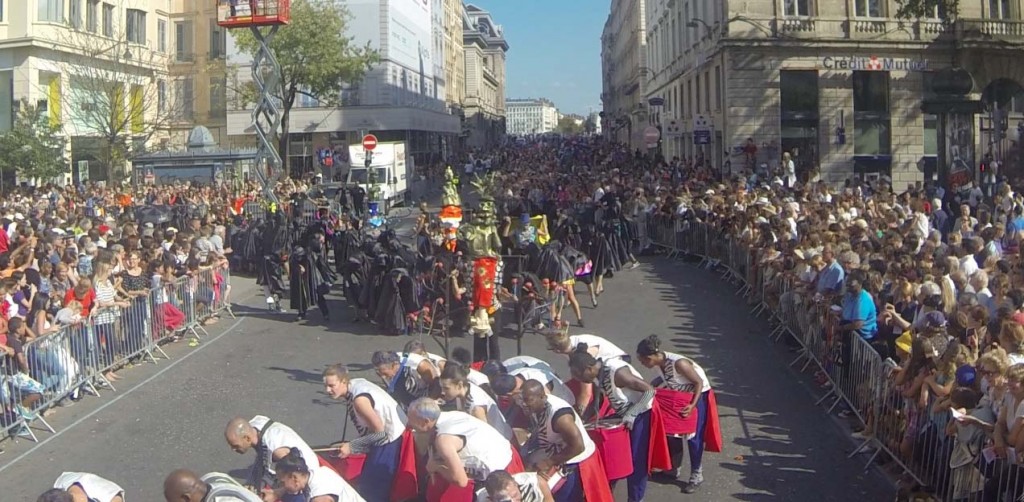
point(272, 442)
point(83, 487)
point(184, 485)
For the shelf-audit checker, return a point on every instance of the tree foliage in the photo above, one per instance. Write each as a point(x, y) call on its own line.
point(34, 146)
point(114, 94)
point(568, 126)
point(923, 9)
point(316, 57)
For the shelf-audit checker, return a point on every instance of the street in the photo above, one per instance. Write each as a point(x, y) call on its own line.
point(778, 445)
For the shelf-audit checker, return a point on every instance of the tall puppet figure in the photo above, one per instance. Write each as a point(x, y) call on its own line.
point(451, 209)
point(484, 249)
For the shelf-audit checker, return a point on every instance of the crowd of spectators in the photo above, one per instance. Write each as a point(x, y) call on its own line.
point(86, 288)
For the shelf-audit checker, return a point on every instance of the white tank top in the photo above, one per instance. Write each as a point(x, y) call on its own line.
point(550, 441)
point(413, 362)
point(95, 487)
point(552, 384)
point(619, 397)
point(477, 378)
point(324, 481)
point(484, 450)
point(514, 363)
point(676, 381)
point(605, 349)
point(494, 417)
point(386, 407)
point(224, 488)
point(281, 436)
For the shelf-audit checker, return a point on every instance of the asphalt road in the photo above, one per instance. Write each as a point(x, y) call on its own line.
point(779, 446)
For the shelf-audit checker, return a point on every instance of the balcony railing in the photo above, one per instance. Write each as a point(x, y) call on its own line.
point(986, 29)
point(820, 28)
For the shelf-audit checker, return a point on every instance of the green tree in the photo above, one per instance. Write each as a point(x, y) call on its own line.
point(918, 9)
point(34, 146)
point(316, 58)
point(568, 126)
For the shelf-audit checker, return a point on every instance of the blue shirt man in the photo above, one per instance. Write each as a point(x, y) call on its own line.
point(859, 313)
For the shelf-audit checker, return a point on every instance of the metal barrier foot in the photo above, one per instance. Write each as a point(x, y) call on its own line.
point(800, 356)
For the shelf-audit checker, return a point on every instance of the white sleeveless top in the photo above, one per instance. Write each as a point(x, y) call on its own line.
point(324, 481)
point(224, 488)
point(477, 378)
point(484, 450)
point(550, 441)
point(282, 436)
point(494, 416)
point(605, 349)
point(619, 397)
point(436, 359)
point(95, 487)
point(514, 363)
point(413, 362)
point(552, 384)
point(676, 381)
point(383, 404)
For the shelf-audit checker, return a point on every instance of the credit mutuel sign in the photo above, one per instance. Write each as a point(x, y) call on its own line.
point(873, 63)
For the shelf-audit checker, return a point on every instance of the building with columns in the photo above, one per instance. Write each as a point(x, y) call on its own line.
point(837, 85)
point(625, 72)
point(454, 55)
point(484, 48)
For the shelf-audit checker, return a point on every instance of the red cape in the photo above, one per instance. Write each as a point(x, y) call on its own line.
point(595, 482)
point(606, 409)
point(671, 401)
point(440, 490)
point(657, 453)
point(713, 430)
point(406, 483)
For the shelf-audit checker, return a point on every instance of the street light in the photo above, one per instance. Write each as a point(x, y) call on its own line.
point(695, 22)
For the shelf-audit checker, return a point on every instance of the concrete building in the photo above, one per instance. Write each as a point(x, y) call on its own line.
point(398, 100)
point(197, 49)
point(484, 105)
point(437, 50)
point(81, 62)
point(530, 116)
point(454, 55)
point(625, 72)
point(758, 78)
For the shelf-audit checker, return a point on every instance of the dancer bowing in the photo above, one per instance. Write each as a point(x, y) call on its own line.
point(684, 389)
point(633, 400)
point(559, 442)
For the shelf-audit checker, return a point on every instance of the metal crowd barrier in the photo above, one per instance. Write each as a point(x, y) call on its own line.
point(934, 457)
point(72, 359)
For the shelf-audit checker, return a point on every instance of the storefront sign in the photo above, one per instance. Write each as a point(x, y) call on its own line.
point(873, 63)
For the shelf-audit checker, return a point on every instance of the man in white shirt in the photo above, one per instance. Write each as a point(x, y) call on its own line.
point(272, 442)
point(183, 485)
point(85, 486)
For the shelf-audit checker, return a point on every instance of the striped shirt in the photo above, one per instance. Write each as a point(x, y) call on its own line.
point(105, 293)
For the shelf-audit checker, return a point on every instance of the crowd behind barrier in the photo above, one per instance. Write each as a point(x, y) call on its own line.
point(74, 357)
point(918, 443)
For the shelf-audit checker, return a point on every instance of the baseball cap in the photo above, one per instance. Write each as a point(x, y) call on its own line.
point(966, 375)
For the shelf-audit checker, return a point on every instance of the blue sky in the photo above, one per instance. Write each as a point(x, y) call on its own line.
point(554, 49)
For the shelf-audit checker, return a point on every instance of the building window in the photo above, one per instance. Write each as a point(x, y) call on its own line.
point(108, 20)
point(696, 98)
point(183, 40)
point(135, 26)
point(184, 97)
point(797, 7)
point(798, 97)
point(719, 92)
point(868, 8)
point(161, 35)
point(931, 134)
point(999, 9)
point(74, 13)
point(707, 92)
point(51, 11)
point(91, 9)
point(871, 123)
point(218, 96)
point(218, 40)
point(161, 96)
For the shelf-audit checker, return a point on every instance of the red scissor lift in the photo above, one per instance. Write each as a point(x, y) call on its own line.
point(263, 18)
point(248, 13)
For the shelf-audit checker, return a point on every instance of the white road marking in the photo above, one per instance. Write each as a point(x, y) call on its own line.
point(165, 369)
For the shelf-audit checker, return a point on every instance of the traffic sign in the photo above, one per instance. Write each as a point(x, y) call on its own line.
point(651, 136)
point(369, 142)
point(673, 129)
point(701, 130)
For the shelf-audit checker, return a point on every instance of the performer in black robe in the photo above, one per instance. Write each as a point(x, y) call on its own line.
point(310, 276)
point(273, 239)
